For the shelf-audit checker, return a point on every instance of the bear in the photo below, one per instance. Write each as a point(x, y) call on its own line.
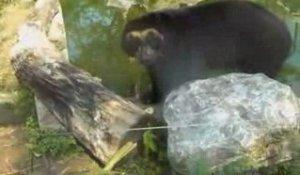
point(201, 41)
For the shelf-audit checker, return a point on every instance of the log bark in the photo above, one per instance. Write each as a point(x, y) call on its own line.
point(96, 116)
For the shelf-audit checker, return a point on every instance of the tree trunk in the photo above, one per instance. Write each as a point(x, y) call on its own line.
point(96, 116)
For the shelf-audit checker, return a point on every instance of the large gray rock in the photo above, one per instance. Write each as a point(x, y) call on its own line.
point(223, 119)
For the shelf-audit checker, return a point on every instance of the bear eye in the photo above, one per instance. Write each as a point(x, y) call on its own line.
point(154, 44)
point(154, 40)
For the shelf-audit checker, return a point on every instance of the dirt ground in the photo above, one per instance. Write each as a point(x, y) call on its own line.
point(15, 159)
point(13, 153)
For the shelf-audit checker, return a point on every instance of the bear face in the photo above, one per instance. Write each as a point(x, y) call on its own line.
point(145, 45)
point(180, 45)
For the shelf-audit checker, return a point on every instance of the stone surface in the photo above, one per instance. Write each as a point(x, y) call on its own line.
point(45, 10)
point(223, 118)
point(44, 33)
point(57, 31)
point(32, 36)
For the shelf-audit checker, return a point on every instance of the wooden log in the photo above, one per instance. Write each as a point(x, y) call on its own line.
point(96, 116)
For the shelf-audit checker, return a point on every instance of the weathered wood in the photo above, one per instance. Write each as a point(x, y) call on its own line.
point(96, 116)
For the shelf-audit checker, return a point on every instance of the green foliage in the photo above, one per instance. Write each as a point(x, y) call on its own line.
point(149, 142)
point(154, 146)
point(49, 142)
point(25, 105)
point(142, 166)
point(152, 161)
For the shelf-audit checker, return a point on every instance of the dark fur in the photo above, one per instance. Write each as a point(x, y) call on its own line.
point(232, 35)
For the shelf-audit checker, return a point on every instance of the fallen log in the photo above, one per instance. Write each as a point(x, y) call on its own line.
point(97, 117)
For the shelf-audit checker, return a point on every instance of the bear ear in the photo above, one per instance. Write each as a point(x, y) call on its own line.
point(132, 42)
point(153, 38)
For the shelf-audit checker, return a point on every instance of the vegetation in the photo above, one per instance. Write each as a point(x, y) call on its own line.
point(49, 142)
point(24, 102)
point(96, 49)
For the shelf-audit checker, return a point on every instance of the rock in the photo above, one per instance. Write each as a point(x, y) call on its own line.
point(57, 31)
point(45, 10)
point(32, 36)
point(65, 54)
point(228, 119)
point(45, 117)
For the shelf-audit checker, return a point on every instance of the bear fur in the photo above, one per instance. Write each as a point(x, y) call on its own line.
point(180, 45)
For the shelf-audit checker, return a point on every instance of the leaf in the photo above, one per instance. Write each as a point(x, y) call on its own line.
point(149, 141)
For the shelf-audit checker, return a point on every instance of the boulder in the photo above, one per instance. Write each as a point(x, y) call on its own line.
point(230, 119)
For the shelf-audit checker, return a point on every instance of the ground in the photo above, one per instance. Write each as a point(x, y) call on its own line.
point(15, 157)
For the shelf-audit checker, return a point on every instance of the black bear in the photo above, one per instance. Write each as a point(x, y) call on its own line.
point(179, 45)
